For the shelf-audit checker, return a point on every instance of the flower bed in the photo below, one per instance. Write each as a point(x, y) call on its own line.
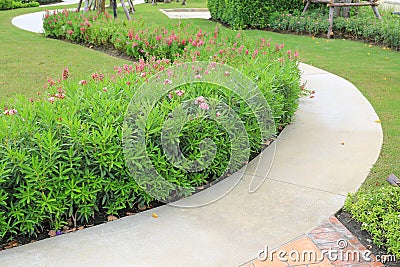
point(61, 153)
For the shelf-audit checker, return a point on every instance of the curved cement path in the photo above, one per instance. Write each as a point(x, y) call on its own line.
point(33, 22)
point(325, 153)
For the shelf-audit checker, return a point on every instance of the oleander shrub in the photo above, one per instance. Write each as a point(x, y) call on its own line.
point(61, 153)
point(249, 13)
point(378, 209)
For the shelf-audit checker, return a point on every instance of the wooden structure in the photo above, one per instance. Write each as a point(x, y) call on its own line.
point(340, 4)
point(100, 5)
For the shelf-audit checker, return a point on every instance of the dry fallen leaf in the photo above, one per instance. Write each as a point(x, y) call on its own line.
point(154, 215)
point(342, 143)
point(111, 218)
point(81, 227)
point(130, 213)
point(52, 233)
point(378, 121)
point(11, 244)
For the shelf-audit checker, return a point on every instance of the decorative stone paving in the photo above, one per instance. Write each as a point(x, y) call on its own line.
point(329, 244)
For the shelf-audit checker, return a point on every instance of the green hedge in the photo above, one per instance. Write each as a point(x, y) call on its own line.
point(378, 210)
point(240, 14)
point(10, 4)
point(6, 4)
point(46, 2)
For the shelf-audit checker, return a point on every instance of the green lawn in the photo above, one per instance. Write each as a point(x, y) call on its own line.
point(27, 59)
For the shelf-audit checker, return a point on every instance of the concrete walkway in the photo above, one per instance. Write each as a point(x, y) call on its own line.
point(325, 153)
point(33, 22)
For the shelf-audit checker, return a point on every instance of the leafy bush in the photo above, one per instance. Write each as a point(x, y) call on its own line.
point(46, 2)
point(363, 26)
point(6, 4)
point(240, 14)
point(17, 4)
point(9, 4)
point(378, 210)
point(61, 155)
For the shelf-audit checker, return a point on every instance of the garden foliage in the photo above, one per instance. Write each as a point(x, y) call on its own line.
point(61, 155)
point(240, 14)
point(379, 211)
point(363, 26)
point(10, 4)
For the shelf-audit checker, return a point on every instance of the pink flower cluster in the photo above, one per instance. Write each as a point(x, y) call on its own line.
point(201, 101)
point(12, 111)
point(65, 73)
point(98, 76)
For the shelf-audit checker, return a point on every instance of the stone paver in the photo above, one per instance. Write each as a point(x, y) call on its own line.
point(314, 246)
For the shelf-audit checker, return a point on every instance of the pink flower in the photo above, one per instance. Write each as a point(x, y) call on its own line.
point(238, 35)
point(255, 53)
point(61, 95)
point(51, 99)
point(218, 114)
point(158, 37)
point(199, 33)
point(143, 74)
point(226, 73)
point(179, 92)
point(247, 51)
point(82, 82)
point(296, 54)
point(51, 81)
point(167, 81)
point(199, 100)
point(10, 111)
point(206, 72)
point(104, 89)
point(170, 96)
point(198, 76)
point(204, 105)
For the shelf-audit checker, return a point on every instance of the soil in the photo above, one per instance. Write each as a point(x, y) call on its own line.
point(98, 218)
point(364, 237)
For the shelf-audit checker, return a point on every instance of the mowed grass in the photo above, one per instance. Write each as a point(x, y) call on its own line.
point(27, 59)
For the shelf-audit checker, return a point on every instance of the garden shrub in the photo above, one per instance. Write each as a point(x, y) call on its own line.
point(47, 2)
point(363, 26)
point(10, 4)
point(17, 4)
point(240, 14)
point(6, 4)
point(61, 154)
point(378, 209)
